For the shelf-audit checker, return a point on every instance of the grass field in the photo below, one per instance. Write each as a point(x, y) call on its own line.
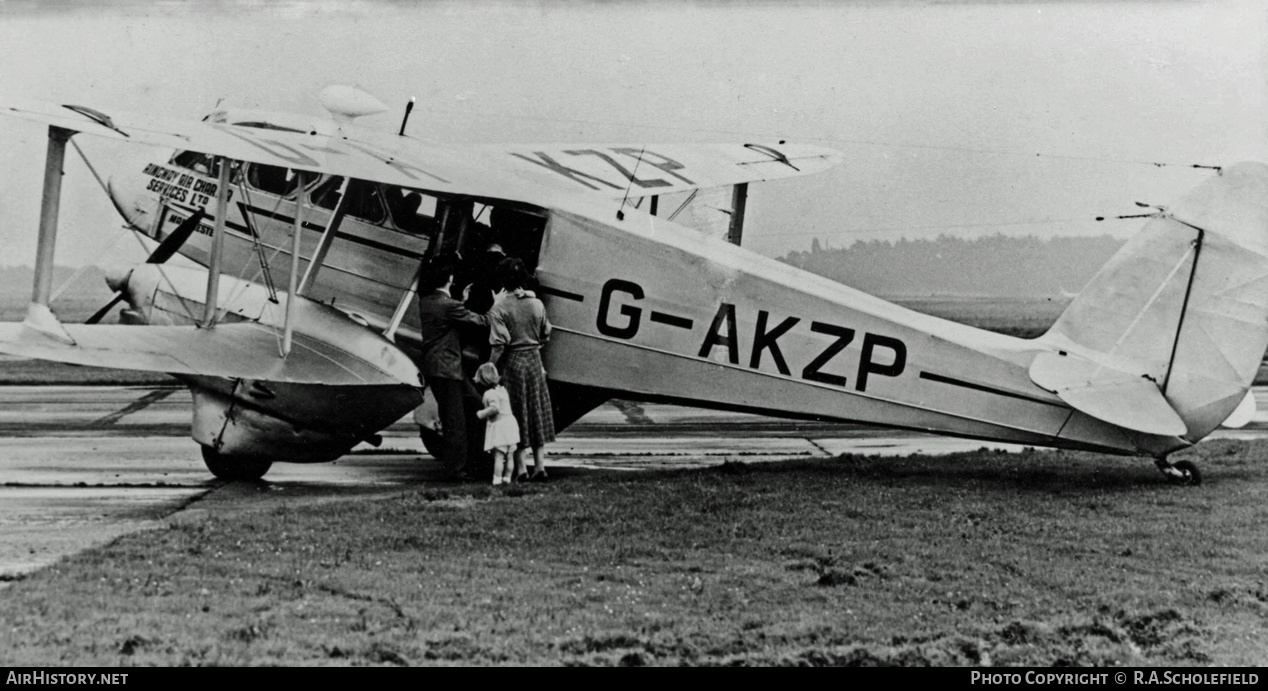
point(1037, 558)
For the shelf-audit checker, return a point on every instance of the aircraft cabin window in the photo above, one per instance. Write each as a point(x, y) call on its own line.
point(326, 195)
point(365, 201)
point(271, 179)
point(412, 212)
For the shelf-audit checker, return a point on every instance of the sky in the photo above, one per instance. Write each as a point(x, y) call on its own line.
point(954, 118)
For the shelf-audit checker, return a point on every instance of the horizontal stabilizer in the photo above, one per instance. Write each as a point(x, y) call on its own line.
point(1128, 400)
point(243, 350)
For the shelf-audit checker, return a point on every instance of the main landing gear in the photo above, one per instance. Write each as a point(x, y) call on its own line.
point(1180, 473)
point(235, 467)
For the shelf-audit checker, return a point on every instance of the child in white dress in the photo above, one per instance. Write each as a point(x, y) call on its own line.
point(501, 431)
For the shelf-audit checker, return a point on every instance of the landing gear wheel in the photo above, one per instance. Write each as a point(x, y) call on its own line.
point(1188, 474)
point(1184, 473)
point(433, 441)
point(232, 468)
point(479, 463)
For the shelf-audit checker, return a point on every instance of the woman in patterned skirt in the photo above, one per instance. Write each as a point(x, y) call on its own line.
point(518, 328)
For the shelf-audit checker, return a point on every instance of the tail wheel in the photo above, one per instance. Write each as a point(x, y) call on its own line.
point(235, 467)
point(1189, 474)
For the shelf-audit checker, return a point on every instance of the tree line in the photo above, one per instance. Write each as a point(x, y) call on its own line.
point(993, 265)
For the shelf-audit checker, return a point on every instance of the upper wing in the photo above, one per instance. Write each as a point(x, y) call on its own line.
point(635, 170)
point(422, 166)
point(529, 173)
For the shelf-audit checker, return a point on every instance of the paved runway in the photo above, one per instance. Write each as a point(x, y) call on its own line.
point(80, 466)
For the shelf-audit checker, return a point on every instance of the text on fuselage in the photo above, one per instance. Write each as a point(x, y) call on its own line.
point(180, 187)
point(620, 316)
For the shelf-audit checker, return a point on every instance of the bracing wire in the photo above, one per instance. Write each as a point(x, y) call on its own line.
point(114, 240)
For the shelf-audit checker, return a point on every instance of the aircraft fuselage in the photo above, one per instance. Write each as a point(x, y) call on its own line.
point(646, 309)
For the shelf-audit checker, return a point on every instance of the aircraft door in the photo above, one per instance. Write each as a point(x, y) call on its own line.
point(455, 219)
point(519, 232)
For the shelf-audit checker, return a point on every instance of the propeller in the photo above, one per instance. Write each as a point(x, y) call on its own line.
point(168, 247)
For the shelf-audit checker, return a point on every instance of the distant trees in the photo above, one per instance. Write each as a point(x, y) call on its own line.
point(1000, 265)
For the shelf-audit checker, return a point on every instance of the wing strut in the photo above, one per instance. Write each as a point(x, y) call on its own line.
point(327, 237)
point(288, 326)
point(399, 315)
point(49, 206)
point(38, 314)
point(739, 200)
point(217, 244)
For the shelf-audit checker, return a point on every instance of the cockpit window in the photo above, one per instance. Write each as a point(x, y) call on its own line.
point(278, 180)
point(198, 162)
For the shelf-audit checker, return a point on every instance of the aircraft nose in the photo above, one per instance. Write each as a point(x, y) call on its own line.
point(125, 186)
point(117, 277)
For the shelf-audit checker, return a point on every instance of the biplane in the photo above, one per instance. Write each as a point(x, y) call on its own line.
point(296, 337)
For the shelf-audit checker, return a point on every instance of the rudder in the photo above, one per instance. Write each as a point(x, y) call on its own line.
point(1184, 303)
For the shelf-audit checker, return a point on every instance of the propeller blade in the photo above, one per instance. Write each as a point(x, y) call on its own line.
point(169, 246)
point(172, 243)
point(101, 313)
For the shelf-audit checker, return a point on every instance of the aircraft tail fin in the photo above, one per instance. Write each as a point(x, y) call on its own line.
point(1182, 307)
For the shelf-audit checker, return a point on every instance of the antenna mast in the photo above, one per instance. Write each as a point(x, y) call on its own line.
point(409, 107)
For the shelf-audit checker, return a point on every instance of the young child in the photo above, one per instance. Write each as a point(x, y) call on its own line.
point(501, 432)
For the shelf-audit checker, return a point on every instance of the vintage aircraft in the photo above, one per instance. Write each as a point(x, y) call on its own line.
point(1156, 351)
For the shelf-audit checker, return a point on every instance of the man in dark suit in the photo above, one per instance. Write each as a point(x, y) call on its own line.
point(440, 319)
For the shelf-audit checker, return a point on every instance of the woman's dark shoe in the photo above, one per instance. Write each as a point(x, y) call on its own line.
point(539, 476)
point(521, 478)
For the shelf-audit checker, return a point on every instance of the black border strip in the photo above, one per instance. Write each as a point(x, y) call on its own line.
point(187, 211)
point(576, 297)
point(987, 389)
point(671, 320)
point(290, 220)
